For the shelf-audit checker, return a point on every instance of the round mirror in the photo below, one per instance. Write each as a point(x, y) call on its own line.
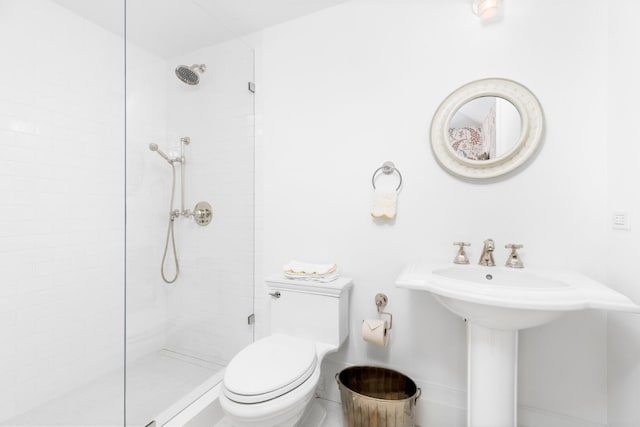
point(486, 128)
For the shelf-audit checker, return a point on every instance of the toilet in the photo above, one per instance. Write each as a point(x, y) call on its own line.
point(272, 382)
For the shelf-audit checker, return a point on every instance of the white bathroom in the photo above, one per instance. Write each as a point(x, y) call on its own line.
point(147, 217)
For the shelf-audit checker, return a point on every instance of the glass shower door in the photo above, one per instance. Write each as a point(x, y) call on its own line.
point(190, 135)
point(62, 223)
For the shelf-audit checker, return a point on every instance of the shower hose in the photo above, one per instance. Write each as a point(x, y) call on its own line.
point(170, 237)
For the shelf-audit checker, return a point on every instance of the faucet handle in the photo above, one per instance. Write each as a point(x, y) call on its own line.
point(513, 260)
point(461, 256)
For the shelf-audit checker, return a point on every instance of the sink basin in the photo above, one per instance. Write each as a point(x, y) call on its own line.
point(497, 302)
point(508, 298)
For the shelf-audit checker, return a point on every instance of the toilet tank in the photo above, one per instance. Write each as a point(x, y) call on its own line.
point(310, 309)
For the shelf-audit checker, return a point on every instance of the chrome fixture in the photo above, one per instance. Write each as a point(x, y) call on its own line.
point(387, 168)
point(461, 256)
point(381, 303)
point(514, 260)
point(154, 147)
point(486, 258)
point(173, 214)
point(185, 140)
point(189, 75)
point(202, 213)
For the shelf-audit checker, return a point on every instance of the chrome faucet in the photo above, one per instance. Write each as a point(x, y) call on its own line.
point(514, 260)
point(461, 256)
point(486, 258)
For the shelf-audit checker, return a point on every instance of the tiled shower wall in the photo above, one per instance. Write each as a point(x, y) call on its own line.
point(148, 186)
point(62, 186)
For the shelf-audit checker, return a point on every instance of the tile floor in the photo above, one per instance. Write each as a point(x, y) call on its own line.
point(154, 383)
point(334, 415)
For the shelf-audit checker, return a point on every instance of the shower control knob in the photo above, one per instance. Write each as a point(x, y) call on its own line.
point(203, 213)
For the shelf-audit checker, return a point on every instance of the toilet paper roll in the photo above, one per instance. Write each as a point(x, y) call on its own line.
point(375, 331)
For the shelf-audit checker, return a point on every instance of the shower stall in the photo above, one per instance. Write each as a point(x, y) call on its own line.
point(91, 333)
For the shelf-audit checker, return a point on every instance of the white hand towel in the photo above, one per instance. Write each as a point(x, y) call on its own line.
point(384, 203)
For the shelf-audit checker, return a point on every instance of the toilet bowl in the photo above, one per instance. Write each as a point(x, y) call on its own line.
point(271, 382)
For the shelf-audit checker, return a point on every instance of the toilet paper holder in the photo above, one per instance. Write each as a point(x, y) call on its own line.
point(381, 303)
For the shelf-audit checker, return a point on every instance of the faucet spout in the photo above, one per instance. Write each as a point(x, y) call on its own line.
point(486, 258)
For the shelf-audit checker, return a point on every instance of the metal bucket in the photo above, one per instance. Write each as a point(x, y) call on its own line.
point(377, 397)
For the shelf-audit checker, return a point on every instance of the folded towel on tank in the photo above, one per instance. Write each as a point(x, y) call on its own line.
point(309, 271)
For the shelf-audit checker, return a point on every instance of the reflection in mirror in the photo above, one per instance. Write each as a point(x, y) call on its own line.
point(484, 128)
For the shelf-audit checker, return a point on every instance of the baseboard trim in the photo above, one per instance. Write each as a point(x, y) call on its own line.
point(529, 416)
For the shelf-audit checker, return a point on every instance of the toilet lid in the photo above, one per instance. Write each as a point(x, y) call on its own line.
point(269, 368)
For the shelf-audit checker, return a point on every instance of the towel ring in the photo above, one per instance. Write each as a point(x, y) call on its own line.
point(386, 168)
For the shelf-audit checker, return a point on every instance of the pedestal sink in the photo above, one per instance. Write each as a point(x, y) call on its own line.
point(497, 302)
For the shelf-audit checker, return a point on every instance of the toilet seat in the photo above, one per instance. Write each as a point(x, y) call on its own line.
point(269, 368)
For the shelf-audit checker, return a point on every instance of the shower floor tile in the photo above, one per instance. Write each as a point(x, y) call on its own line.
point(154, 383)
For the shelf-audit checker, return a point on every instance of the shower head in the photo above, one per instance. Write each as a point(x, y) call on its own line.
point(154, 147)
point(189, 75)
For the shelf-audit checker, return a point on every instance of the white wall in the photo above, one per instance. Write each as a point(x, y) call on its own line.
point(344, 90)
point(623, 246)
point(62, 186)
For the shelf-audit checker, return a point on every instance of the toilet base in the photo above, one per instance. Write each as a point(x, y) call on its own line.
point(314, 417)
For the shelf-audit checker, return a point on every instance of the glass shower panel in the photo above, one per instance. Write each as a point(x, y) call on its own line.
point(62, 225)
point(195, 141)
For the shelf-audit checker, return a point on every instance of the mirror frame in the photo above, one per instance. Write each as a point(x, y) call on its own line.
point(531, 128)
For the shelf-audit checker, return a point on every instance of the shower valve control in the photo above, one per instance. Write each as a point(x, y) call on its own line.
point(203, 213)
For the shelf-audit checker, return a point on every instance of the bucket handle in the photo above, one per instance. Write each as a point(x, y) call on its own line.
point(336, 377)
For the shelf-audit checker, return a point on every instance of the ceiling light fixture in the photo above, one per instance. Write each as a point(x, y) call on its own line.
point(486, 9)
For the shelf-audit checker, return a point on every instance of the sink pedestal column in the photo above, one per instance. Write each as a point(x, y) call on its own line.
point(492, 377)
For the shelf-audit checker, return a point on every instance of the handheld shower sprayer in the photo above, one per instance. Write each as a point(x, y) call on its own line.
point(202, 213)
point(154, 147)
